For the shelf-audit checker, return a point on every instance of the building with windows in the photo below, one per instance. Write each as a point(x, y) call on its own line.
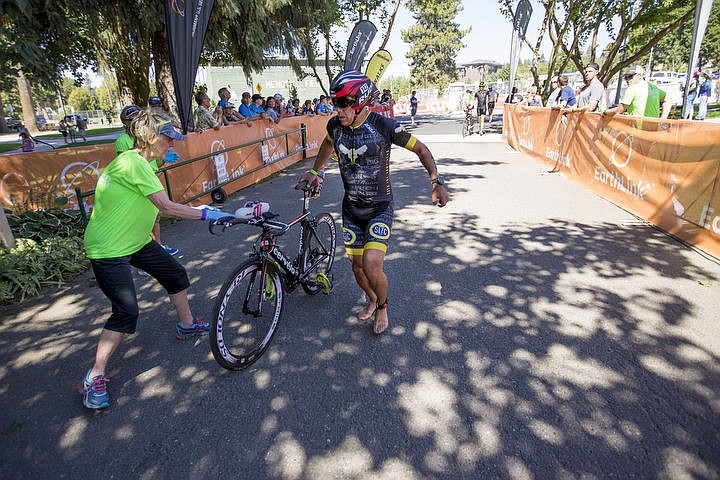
point(477, 70)
point(277, 77)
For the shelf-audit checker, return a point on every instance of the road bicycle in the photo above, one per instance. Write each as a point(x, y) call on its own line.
point(468, 123)
point(248, 307)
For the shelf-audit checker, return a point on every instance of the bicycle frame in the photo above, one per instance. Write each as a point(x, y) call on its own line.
point(266, 247)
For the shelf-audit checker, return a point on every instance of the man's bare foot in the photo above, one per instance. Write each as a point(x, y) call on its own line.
point(381, 321)
point(367, 312)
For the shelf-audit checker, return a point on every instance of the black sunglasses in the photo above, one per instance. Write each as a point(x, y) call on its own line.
point(344, 102)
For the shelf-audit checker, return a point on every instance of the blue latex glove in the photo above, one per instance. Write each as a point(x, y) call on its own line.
point(214, 215)
point(171, 156)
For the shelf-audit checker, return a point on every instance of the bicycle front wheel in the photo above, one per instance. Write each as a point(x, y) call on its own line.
point(466, 128)
point(246, 314)
point(318, 255)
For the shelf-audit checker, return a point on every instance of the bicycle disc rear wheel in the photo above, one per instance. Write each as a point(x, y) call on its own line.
point(318, 254)
point(246, 314)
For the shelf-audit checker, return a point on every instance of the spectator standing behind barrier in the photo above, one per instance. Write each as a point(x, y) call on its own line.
point(244, 108)
point(692, 94)
point(531, 98)
point(307, 108)
point(280, 109)
point(704, 92)
point(256, 106)
point(71, 128)
point(156, 105)
point(321, 108)
point(514, 96)
point(63, 128)
point(641, 98)
point(566, 97)
point(552, 98)
point(204, 119)
point(270, 109)
point(592, 95)
point(128, 198)
point(82, 127)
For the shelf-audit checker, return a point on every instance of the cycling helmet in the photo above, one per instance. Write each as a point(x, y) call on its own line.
point(482, 84)
point(356, 84)
point(155, 102)
point(128, 113)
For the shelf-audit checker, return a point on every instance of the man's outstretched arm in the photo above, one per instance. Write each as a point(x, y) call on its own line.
point(439, 192)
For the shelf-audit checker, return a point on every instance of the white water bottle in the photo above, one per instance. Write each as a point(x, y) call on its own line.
point(252, 209)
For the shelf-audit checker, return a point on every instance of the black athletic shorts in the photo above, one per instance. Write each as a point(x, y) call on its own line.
point(114, 277)
point(366, 228)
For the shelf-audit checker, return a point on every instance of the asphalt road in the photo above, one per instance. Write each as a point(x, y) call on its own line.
point(537, 331)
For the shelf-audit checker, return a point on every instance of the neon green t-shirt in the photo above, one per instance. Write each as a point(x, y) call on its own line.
point(124, 143)
point(122, 217)
point(469, 99)
point(643, 100)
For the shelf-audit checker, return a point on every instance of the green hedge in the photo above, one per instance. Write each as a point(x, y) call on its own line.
point(49, 251)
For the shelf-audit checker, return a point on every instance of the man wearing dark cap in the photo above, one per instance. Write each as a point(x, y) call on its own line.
point(322, 107)
point(244, 108)
point(641, 98)
point(592, 95)
point(156, 106)
point(256, 106)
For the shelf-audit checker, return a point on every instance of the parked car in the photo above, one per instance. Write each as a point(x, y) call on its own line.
point(10, 122)
point(664, 78)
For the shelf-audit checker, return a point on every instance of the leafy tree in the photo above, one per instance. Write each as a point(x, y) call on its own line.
point(81, 99)
point(673, 50)
point(39, 42)
point(435, 40)
point(573, 27)
point(398, 85)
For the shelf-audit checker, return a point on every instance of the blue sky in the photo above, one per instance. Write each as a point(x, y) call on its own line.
point(489, 38)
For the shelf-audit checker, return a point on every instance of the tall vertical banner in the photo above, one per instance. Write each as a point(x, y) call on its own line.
point(520, 25)
point(378, 65)
point(702, 16)
point(186, 23)
point(358, 44)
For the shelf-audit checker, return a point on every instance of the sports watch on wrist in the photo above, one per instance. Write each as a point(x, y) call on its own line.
point(439, 180)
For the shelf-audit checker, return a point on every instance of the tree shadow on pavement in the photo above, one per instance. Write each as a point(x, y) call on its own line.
point(535, 351)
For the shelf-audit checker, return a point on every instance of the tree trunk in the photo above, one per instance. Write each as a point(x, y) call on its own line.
point(26, 102)
point(163, 72)
point(391, 21)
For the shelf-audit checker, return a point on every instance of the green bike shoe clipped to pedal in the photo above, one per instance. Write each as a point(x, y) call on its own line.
point(270, 293)
point(326, 285)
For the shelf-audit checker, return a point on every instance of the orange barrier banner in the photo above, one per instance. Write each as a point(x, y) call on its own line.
point(666, 172)
point(38, 179)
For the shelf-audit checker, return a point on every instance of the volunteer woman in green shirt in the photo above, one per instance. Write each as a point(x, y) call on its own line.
point(128, 197)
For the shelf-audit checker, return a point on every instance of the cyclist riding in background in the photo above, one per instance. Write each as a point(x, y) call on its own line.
point(362, 139)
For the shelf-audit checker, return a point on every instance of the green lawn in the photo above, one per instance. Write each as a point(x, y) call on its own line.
point(11, 146)
point(90, 132)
